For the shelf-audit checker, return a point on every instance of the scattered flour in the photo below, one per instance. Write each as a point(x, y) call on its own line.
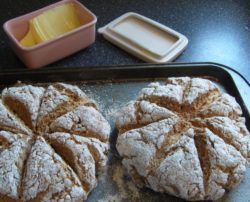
point(126, 187)
point(111, 198)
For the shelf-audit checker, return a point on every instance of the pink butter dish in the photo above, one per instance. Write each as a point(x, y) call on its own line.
point(52, 50)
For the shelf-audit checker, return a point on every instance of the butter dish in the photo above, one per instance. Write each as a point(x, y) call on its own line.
point(145, 38)
point(52, 50)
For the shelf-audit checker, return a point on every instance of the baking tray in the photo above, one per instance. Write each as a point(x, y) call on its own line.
point(112, 87)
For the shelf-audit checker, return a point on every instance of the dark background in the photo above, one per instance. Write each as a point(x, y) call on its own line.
point(218, 30)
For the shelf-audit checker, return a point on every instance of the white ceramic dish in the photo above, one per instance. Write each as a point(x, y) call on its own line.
point(145, 38)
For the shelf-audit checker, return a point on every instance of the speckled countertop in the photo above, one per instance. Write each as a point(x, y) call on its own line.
point(218, 30)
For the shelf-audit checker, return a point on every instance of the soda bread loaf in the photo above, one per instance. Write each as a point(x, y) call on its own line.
point(53, 143)
point(184, 137)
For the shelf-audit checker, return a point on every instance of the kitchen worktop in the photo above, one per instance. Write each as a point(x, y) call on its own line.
point(218, 31)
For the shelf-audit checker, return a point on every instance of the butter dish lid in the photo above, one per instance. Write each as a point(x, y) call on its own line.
point(145, 38)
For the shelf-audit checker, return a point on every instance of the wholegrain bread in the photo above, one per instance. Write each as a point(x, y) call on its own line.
point(184, 137)
point(53, 143)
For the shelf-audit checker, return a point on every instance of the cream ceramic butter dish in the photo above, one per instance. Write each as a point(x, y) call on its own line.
point(51, 50)
point(145, 38)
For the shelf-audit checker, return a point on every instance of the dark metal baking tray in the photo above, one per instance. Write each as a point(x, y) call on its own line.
point(112, 87)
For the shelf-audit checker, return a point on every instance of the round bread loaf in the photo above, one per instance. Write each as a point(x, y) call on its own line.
point(53, 143)
point(184, 137)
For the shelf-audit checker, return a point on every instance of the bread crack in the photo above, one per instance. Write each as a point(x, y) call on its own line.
point(201, 146)
point(83, 121)
point(197, 95)
point(68, 156)
point(164, 102)
point(236, 143)
point(58, 111)
point(170, 139)
point(75, 94)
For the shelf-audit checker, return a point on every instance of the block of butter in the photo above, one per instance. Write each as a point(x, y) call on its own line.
point(51, 24)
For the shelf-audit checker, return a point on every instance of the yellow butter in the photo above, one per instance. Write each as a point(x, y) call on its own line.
point(51, 24)
point(28, 40)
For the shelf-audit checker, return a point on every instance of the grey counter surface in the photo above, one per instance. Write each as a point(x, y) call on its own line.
point(218, 31)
